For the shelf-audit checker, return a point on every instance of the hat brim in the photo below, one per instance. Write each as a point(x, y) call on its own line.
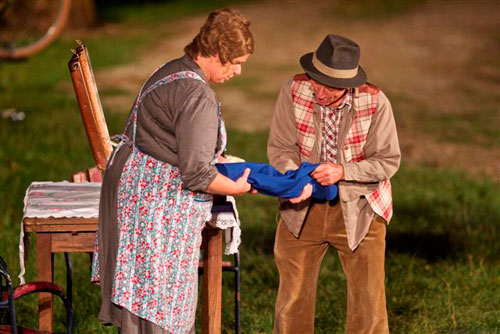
point(307, 65)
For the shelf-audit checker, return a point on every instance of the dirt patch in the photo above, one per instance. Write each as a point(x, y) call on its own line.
point(422, 55)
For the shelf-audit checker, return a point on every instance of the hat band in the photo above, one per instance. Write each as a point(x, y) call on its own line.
point(332, 72)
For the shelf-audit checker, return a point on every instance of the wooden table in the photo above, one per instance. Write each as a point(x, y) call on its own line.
point(70, 235)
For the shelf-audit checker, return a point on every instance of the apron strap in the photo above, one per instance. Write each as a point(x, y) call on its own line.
point(123, 138)
point(168, 79)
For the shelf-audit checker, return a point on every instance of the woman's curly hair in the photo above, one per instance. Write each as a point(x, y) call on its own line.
point(226, 32)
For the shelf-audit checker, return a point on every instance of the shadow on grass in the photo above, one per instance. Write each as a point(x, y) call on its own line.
point(430, 246)
point(256, 238)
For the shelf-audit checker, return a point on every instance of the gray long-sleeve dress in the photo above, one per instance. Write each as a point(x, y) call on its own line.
point(178, 124)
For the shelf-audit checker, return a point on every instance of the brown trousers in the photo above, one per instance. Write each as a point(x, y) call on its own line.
point(299, 261)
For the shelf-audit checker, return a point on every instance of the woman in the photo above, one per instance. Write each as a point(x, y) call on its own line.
point(156, 194)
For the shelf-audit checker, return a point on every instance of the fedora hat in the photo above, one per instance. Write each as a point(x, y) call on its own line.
point(335, 63)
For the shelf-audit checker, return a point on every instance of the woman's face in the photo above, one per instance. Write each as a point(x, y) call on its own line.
point(219, 72)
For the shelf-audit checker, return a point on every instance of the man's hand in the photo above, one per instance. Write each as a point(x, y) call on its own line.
point(328, 173)
point(306, 193)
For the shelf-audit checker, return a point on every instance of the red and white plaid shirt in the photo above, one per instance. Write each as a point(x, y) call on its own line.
point(330, 124)
point(364, 105)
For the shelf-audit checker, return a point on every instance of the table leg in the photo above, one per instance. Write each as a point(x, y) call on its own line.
point(45, 272)
point(212, 281)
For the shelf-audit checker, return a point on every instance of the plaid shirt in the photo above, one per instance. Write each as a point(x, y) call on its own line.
point(364, 105)
point(330, 124)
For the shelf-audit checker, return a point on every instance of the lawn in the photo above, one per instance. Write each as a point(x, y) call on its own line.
point(442, 268)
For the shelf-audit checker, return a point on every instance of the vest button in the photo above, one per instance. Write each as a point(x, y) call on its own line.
point(346, 147)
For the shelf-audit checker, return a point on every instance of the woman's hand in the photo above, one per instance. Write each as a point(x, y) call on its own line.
point(242, 185)
point(328, 173)
point(222, 185)
point(306, 193)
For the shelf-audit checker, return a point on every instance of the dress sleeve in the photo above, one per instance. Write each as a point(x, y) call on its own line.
point(196, 131)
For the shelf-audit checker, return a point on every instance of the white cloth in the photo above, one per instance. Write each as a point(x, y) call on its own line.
point(81, 200)
point(230, 222)
point(58, 200)
point(62, 200)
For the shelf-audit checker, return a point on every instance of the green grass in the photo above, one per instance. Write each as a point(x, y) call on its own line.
point(442, 258)
point(156, 11)
point(470, 125)
point(443, 273)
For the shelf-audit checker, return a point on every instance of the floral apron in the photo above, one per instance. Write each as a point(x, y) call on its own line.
point(160, 224)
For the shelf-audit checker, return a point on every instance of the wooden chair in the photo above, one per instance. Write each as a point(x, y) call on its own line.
point(9, 294)
point(90, 106)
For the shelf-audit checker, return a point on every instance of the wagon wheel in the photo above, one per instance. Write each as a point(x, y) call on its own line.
point(27, 27)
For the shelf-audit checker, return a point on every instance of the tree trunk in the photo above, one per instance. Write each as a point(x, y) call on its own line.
point(83, 14)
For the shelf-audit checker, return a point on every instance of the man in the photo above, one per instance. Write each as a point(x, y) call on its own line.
point(331, 115)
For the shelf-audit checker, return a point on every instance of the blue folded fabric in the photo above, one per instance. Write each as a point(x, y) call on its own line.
point(267, 180)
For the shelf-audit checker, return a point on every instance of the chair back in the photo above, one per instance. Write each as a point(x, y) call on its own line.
point(89, 102)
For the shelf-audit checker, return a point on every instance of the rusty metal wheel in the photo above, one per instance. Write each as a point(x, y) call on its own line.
point(27, 26)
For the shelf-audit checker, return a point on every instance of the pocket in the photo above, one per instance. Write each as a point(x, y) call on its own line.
point(202, 197)
point(203, 208)
point(349, 191)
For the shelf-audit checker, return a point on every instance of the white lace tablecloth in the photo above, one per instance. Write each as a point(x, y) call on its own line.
point(230, 223)
point(81, 200)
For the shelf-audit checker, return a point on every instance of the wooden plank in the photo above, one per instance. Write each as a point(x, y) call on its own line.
point(94, 174)
point(82, 242)
point(45, 272)
point(56, 221)
point(212, 281)
point(63, 228)
point(60, 224)
point(90, 105)
point(79, 177)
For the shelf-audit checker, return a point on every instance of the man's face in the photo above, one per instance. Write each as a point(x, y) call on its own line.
point(221, 72)
point(327, 96)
